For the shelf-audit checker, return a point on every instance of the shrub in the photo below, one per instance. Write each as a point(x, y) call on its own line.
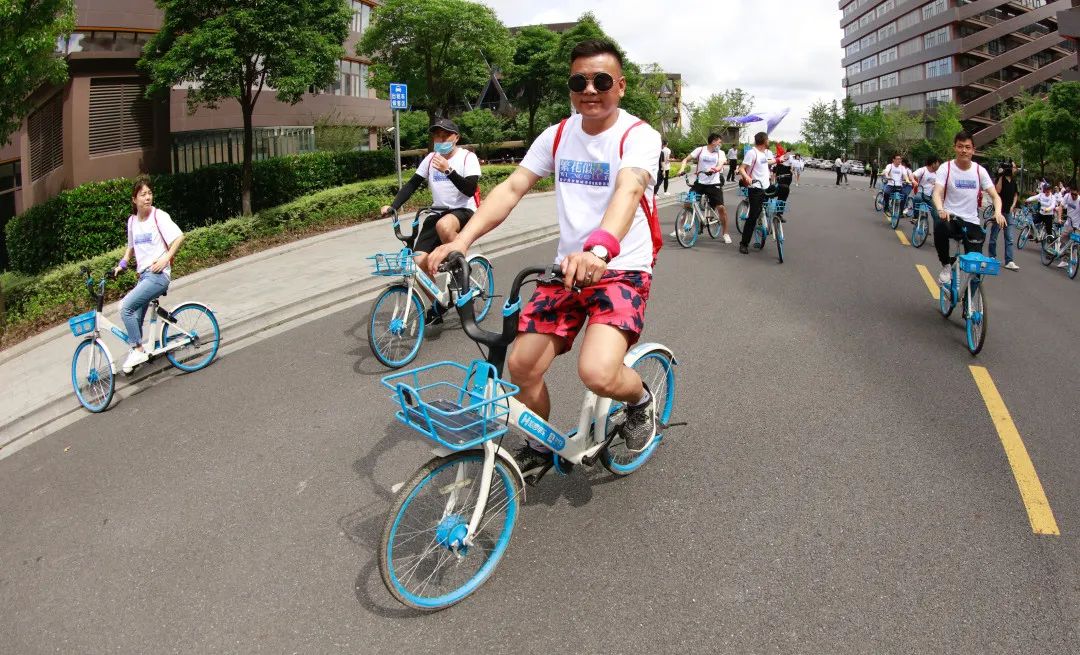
point(88, 219)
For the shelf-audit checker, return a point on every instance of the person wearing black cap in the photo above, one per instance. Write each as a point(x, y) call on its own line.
point(453, 174)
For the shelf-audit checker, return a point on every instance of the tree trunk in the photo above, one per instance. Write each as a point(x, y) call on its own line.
point(246, 165)
point(531, 132)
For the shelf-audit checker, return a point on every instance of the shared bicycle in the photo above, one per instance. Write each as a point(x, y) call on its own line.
point(1070, 250)
point(451, 523)
point(399, 316)
point(966, 288)
point(921, 228)
point(188, 336)
point(1029, 230)
point(768, 223)
point(695, 213)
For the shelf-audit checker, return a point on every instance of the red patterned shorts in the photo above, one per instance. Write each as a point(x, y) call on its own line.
point(618, 300)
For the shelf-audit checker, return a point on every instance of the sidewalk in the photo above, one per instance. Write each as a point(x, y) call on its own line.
point(250, 296)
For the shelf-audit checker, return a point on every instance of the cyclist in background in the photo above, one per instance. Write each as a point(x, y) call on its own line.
point(956, 198)
point(896, 176)
point(924, 182)
point(1048, 207)
point(1010, 195)
point(754, 173)
point(1070, 205)
point(709, 177)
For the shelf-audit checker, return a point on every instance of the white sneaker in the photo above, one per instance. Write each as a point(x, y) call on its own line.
point(134, 358)
point(727, 238)
point(1063, 263)
point(672, 235)
point(945, 276)
point(1012, 266)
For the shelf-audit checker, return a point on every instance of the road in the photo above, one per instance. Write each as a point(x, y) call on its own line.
point(840, 485)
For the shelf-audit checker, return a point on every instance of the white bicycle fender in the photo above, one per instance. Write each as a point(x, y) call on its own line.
point(640, 349)
point(441, 451)
point(108, 354)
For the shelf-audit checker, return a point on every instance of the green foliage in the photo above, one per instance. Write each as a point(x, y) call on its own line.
point(529, 79)
point(817, 129)
point(89, 219)
point(1030, 128)
point(441, 48)
point(336, 132)
point(236, 49)
point(414, 130)
point(59, 293)
point(843, 124)
point(480, 127)
point(706, 117)
point(1064, 101)
point(946, 125)
point(28, 33)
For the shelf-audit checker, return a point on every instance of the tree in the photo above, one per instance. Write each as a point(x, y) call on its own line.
point(234, 50)
point(817, 129)
point(1030, 128)
point(905, 128)
point(445, 50)
point(28, 33)
point(1064, 102)
point(529, 78)
point(874, 131)
point(480, 127)
point(708, 117)
point(946, 125)
point(843, 121)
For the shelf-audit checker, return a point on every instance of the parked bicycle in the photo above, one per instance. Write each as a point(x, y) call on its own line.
point(451, 523)
point(188, 336)
point(400, 314)
point(966, 287)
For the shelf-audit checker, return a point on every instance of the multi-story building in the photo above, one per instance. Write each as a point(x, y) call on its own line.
point(917, 54)
point(99, 125)
point(1069, 26)
point(670, 95)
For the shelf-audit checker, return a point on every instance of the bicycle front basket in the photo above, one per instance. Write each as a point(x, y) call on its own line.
point(456, 406)
point(1075, 236)
point(687, 197)
point(978, 264)
point(83, 323)
point(398, 264)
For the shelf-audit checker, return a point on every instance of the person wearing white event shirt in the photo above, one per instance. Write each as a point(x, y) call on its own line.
point(755, 174)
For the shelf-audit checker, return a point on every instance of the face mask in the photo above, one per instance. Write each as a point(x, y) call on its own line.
point(444, 147)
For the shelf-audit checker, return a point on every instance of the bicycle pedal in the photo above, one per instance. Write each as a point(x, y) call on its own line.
point(535, 475)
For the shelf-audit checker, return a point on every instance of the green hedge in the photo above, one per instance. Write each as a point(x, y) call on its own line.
point(54, 296)
point(88, 219)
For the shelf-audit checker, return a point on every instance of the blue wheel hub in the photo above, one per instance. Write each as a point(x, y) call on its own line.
point(397, 326)
point(93, 377)
point(451, 532)
point(976, 317)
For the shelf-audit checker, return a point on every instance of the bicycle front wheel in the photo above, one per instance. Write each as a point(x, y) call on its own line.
point(198, 328)
point(482, 278)
point(1074, 261)
point(712, 222)
point(778, 235)
point(894, 214)
point(424, 561)
point(92, 375)
point(396, 326)
point(879, 202)
point(1023, 236)
point(975, 318)
point(742, 212)
point(657, 371)
point(686, 227)
point(1047, 254)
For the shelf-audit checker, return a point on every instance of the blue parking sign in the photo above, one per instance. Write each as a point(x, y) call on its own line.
point(399, 96)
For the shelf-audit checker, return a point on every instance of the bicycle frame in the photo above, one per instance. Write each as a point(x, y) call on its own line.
point(156, 329)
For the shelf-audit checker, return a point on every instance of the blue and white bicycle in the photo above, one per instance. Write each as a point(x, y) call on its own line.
point(966, 287)
point(188, 336)
point(921, 228)
point(400, 315)
point(768, 223)
point(451, 523)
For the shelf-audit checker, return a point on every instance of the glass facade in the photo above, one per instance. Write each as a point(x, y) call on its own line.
point(939, 67)
point(103, 41)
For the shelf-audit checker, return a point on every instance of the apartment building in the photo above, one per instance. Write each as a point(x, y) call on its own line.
point(917, 54)
point(99, 125)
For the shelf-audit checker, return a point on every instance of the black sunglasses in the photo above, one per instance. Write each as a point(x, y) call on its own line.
point(601, 82)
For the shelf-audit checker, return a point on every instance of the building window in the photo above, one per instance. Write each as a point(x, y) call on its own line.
point(853, 70)
point(865, 19)
point(886, 31)
point(935, 98)
point(890, 102)
point(869, 62)
point(907, 20)
point(912, 102)
point(911, 74)
point(121, 118)
point(45, 128)
point(352, 80)
point(102, 41)
point(869, 86)
point(361, 16)
point(851, 29)
point(934, 8)
point(911, 46)
point(890, 54)
point(939, 67)
point(852, 49)
point(850, 9)
point(10, 176)
point(890, 80)
point(936, 38)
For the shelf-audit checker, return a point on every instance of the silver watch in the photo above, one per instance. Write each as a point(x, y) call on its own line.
point(602, 253)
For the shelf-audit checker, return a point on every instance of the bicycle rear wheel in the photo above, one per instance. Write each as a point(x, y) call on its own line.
point(945, 299)
point(1047, 254)
point(92, 375)
point(686, 227)
point(1023, 236)
point(975, 318)
point(712, 222)
point(481, 278)
point(198, 327)
point(879, 201)
point(742, 212)
point(920, 230)
point(422, 558)
point(1074, 261)
point(657, 371)
point(778, 235)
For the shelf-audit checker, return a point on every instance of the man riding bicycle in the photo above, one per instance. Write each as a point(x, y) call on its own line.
point(1070, 209)
point(1049, 207)
point(754, 173)
point(709, 177)
point(604, 161)
point(924, 184)
point(896, 175)
point(959, 185)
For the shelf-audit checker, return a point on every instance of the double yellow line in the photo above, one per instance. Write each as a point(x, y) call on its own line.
point(1039, 513)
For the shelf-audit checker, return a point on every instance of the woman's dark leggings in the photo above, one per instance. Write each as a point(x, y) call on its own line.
point(662, 178)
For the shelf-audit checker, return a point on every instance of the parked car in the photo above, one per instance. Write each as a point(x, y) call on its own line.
point(857, 167)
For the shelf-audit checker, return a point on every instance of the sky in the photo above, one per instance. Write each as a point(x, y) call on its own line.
point(794, 62)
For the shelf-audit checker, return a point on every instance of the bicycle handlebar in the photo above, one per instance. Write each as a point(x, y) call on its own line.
point(410, 239)
point(458, 267)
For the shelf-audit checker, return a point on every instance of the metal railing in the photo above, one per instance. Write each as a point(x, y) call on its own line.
point(193, 150)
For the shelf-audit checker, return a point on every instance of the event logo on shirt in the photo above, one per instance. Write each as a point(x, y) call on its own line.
point(141, 238)
point(439, 176)
point(966, 184)
point(588, 173)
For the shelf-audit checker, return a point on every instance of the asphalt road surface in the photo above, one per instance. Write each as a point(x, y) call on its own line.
point(840, 485)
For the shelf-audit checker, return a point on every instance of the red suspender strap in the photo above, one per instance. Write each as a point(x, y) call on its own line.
point(945, 191)
point(558, 137)
point(476, 194)
point(648, 208)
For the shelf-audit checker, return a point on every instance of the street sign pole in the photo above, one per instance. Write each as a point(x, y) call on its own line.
point(399, 100)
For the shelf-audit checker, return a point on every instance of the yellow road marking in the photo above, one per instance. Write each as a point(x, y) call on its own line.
point(931, 283)
point(903, 238)
point(1031, 490)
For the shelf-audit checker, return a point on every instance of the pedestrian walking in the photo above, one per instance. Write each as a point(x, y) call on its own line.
point(665, 168)
point(732, 162)
point(836, 167)
point(873, 173)
point(845, 168)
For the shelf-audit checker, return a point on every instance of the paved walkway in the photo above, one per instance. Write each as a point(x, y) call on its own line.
point(250, 296)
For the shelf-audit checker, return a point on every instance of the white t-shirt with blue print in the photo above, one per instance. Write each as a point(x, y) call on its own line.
point(146, 237)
